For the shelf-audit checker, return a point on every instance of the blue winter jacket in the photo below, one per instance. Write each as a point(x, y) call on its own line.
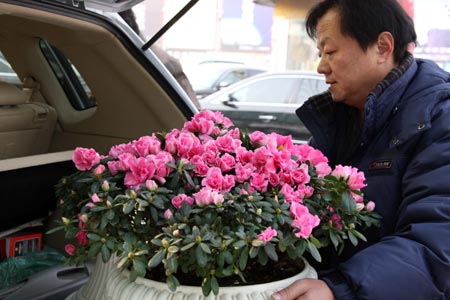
point(404, 151)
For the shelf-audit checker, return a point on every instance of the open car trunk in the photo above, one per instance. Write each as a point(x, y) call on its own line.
point(28, 189)
point(85, 81)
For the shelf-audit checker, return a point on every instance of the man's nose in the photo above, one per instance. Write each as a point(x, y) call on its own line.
point(323, 67)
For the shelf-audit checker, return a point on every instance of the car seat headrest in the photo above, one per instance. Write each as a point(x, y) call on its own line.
point(11, 95)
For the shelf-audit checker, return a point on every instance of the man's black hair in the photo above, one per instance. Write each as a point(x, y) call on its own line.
point(364, 20)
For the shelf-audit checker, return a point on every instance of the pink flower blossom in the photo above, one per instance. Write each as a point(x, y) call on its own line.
point(70, 249)
point(180, 198)
point(95, 198)
point(208, 196)
point(259, 182)
point(113, 167)
point(258, 138)
point(303, 221)
point(213, 179)
point(226, 162)
point(354, 178)
point(146, 145)
point(243, 172)
point(300, 175)
point(322, 169)
point(81, 237)
point(85, 159)
point(267, 234)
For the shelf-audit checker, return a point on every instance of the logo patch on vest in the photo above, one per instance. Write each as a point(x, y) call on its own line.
point(384, 164)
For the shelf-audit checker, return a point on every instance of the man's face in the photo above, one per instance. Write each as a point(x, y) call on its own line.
point(351, 72)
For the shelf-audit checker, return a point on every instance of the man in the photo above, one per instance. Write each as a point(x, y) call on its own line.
point(387, 114)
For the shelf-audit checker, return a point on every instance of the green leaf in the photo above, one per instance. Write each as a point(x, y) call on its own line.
point(358, 234)
point(300, 248)
point(253, 252)
point(334, 239)
point(271, 252)
point(188, 178)
point(172, 282)
point(205, 248)
point(54, 229)
point(201, 256)
point(94, 237)
point(157, 258)
point(172, 264)
point(315, 241)
point(239, 244)
point(106, 253)
point(110, 214)
point(94, 249)
point(352, 238)
point(314, 252)
point(128, 207)
point(140, 267)
point(188, 246)
point(206, 286)
point(214, 285)
point(348, 202)
point(243, 258)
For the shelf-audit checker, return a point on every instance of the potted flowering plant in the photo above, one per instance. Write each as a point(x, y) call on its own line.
point(209, 201)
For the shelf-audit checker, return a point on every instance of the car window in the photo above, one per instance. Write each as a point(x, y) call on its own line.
point(74, 85)
point(233, 77)
point(309, 87)
point(270, 90)
point(7, 73)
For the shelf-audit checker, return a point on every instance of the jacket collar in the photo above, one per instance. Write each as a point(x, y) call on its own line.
point(384, 99)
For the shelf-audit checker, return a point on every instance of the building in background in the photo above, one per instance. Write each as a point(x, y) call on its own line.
point(271, 33)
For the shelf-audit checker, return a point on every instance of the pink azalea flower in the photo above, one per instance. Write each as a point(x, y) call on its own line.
point(70, 249)
point(267, 234)
point(180, 198)
point(95, 198)
point(85, 159)
point(81, 237)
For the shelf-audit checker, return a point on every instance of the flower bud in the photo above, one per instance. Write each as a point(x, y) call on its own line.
point(176, 232)
point(84, 218)
point(258, 211)
point(165, 243)
point(151, 185)
point(105, 185)
point(370, 206)
point(108, 204)
point(359, 206)
point(65, 221)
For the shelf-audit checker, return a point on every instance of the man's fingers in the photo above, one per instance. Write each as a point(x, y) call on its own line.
point(291, 292)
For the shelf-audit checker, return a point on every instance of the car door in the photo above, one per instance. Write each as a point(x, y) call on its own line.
point(263, 104)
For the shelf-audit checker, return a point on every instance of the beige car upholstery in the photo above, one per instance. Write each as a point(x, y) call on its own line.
point(26, 128)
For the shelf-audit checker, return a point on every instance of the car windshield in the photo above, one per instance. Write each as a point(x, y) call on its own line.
point(268, 34)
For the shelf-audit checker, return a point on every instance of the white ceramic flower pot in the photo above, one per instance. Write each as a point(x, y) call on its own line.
point(109, 283)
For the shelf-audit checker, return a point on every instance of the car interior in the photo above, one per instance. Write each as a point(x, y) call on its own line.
point(83, 83)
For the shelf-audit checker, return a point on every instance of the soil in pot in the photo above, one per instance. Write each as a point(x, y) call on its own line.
point(254, 274)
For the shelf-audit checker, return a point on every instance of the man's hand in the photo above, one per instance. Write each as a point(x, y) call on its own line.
point(305, 289)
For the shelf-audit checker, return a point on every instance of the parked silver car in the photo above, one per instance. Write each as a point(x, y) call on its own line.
point(267, 101)
point(211, 76)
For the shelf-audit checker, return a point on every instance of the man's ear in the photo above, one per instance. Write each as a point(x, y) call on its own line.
point(385, 46)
